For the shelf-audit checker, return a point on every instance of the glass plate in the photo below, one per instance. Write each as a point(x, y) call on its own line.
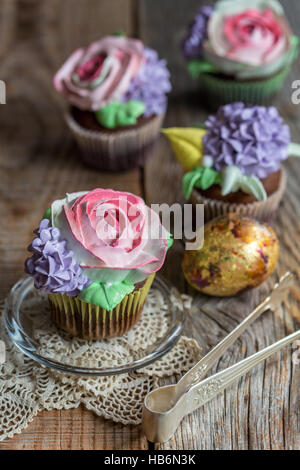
point(19, 325)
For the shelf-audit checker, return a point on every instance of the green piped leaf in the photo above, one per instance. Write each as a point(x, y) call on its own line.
point(294, 150)
point(119, 114)
point(170, 241)
point(230, 179)
point(200, 177)
point(233, 180)
point(120, 33)
point(106, 296)
point(295, 47)
point(47, 214)
point(197, 66)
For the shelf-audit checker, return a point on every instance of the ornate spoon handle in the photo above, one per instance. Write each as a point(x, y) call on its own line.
point(201, 368)
point(210, 387)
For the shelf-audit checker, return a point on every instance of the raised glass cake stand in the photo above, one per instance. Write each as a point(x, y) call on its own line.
point(20, 327)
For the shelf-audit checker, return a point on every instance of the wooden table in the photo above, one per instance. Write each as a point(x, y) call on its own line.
point(39, 163)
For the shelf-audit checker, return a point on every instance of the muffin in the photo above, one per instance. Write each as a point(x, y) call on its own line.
point(117, 94)
point(95, 255)
point(240, 52)
point(233, 163)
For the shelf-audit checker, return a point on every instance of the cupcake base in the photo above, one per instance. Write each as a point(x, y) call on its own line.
point(263, 211)
point(219, 90)
point(116, 150)
point(90, 321)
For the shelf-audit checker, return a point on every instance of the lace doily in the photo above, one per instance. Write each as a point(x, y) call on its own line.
point(27, 388)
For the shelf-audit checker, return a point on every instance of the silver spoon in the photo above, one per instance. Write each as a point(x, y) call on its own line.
point(194, 375)
point(160, 423)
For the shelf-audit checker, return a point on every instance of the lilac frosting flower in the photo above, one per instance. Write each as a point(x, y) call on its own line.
point(151, 84)
point(52, 266)
point(192, 43)
point(254, 138)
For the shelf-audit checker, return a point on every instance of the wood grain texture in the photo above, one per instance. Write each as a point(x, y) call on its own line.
point(76, 429)
point(260, 411)
point(163, 25)
point(39, 162)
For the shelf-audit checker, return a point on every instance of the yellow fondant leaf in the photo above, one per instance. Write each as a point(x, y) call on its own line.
point(187, 145)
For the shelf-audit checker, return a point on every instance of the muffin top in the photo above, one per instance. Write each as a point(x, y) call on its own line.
point(235, 149)
point(116, 77)
point(242, 39)
point(96, 245)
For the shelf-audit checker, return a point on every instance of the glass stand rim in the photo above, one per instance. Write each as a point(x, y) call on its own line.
point(28, 345)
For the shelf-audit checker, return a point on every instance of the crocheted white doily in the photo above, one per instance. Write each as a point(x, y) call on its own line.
point(26, 387)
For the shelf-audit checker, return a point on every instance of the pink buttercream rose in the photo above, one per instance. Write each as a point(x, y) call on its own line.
point(100, 74)
point(118, 230)
point(253, 37)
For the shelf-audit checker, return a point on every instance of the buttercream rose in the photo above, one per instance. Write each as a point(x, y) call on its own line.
point(254, 36)
point(242, 39)
point(94, 77)
point(111, 229)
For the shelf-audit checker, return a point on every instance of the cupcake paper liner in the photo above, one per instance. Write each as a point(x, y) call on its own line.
point(119, 151)
point(219, 91)
point(90, 321)
point(261, 210)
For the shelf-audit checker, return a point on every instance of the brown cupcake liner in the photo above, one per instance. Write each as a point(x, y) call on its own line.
point(261, 210)
point(119, 151)
point(90, 321)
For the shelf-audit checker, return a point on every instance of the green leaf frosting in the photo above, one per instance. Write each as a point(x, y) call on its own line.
point(170, 241)
point(230, 179)
point(119, 33)
point(106, 296)
point(200, 177)
point(119, 114)
point(197, 66)
point(110, 286)
point(233, 180)
point(47, 214)
point(294, 150)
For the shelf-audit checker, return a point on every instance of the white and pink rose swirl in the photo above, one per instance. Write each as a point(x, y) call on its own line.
point(114, 230)
point(248, 38)
point(93, 77)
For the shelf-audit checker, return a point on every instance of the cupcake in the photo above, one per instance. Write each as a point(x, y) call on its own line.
point(233, 163)
point(95, 255)
point(116, 89)
point(240, 52)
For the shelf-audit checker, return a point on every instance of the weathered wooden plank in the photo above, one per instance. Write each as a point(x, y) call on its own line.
point(65, 26)
point(75, 429)
point(261, 411)
point(162, 26)
point(39, 162)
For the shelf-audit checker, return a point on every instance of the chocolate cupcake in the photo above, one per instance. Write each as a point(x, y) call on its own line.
point(240, 52)
point(233, 163)
point(96, 254)
point(116, 89)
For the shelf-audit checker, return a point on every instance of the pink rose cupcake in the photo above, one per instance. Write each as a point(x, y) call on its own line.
point(240, 50)
point(96, 254)
point(116, 89)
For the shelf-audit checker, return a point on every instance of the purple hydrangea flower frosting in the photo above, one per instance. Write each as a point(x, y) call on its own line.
point(192, 43)
point(151, 84)
point(254, 138)
point(52, 266)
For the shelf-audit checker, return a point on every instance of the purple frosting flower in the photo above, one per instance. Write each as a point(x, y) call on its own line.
point(254, 138)
point(151, 84)
point(197, 33)
point(52, 266)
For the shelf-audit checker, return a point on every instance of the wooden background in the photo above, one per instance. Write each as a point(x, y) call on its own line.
point(39, 163)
